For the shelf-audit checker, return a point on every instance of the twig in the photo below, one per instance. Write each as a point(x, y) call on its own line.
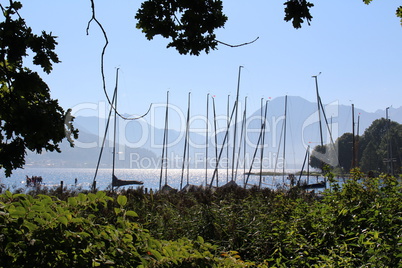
point(244, 44)
point(93, 18)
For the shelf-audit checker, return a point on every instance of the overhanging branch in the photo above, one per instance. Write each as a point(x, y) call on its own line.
point(244, 44)
point(93, 18)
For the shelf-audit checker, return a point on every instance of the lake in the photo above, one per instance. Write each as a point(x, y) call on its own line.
point(151, 178)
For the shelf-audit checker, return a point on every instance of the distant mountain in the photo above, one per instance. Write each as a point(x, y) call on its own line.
point(85, 154)
point(303, 128)
point(139, 144)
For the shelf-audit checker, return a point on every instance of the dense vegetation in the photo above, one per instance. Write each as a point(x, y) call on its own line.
point(379, 143)
point(356, 225)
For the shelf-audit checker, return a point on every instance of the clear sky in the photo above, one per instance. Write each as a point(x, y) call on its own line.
point(356, 47)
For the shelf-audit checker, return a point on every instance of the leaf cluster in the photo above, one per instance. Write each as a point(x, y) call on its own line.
point(297, 11)
point(189, 24)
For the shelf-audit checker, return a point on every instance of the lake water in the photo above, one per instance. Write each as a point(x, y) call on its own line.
point(151, 178)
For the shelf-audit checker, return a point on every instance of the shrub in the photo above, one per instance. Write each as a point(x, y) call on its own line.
point(44, 231)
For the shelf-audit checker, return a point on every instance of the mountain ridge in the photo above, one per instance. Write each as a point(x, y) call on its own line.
point(145, 142)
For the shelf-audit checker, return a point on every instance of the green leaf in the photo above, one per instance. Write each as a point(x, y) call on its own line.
point(17, 212)
point(82, 197)
point(38, 208)
point(84, 234)
point(91, 197)
point(40, 221)
point(100, 194)
point(45, 199)
point(72, 201)
point(32, 227)
point(131, 213)
point(117, 211)
point(156, 254)
point(127, 238)
point(122, 200)
point(376, 234)
point(77, 220)
point(15, 196)
point(63, 220)
point(9, 194)
point(200, 239)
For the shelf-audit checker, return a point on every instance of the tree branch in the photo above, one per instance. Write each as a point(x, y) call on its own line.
point(244, 44)
point(93, 18)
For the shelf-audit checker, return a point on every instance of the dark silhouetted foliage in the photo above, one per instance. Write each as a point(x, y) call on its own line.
point(29, 118)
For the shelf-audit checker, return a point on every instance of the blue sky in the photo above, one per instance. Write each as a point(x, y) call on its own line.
point(356, 47)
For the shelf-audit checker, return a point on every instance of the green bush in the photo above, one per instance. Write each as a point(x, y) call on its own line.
point(90, 230)
point(354, 224)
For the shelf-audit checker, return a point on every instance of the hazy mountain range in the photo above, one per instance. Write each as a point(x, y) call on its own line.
point(139, 144)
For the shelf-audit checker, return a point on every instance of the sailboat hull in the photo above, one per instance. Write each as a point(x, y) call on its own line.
point(117, 182)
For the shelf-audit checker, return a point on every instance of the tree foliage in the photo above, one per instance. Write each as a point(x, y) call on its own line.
point(297, 11)
point(381, 141)
point(190, 24)
point(29, 118)
point(315, 161)
point(378, 143)
point(345, 150)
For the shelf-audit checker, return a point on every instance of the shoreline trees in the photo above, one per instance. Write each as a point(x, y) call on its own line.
point(379, 149)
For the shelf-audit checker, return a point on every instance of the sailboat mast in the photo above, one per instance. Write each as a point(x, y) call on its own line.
point(263, 136)
point(227, 147)
point(235, 122)
point(263, 126)
point(188, 145)
point(164, 144)
point(244, 139)
point(284, 139)
point(167, 137)
point(115, 125)
point(216, 138)
point(353, 138)
point(185, 143)
point(357, 140)
point(206, 143)
point(308, 165)
point(256, 148)
point(220, 153)
point(242, 132)
point(306, 159)
point(318, 105)
point(103, 142)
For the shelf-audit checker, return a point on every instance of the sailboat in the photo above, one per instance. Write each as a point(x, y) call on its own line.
point(115, 181)
point(235, 158)
point(262, 132)
point(320, 107)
